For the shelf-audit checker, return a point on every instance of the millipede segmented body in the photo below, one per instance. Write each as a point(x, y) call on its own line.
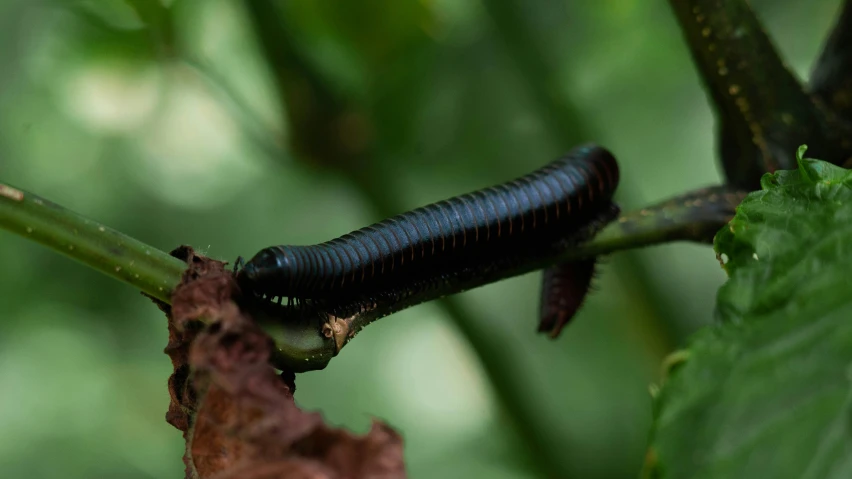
point(480, 233)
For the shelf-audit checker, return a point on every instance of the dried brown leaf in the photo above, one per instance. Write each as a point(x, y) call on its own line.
point(237, 414)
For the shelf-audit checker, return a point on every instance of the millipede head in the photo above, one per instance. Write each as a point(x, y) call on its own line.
point(254, 276)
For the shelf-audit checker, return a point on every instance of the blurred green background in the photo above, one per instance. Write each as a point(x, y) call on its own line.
point(99, 113)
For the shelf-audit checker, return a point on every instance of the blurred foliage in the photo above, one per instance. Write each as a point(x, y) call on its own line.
point(766, 393)
point(165, 124)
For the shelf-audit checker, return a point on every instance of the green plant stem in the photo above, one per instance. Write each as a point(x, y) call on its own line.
point(692, 217)
point(152, 271)
point(695, 217)
point(142, 266)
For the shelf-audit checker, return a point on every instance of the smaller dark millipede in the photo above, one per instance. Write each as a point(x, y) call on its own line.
point(474, 234)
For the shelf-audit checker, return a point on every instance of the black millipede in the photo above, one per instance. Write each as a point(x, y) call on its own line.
point(453, 245)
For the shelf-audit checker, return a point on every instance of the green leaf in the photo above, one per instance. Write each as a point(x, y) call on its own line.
point(767, 391)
